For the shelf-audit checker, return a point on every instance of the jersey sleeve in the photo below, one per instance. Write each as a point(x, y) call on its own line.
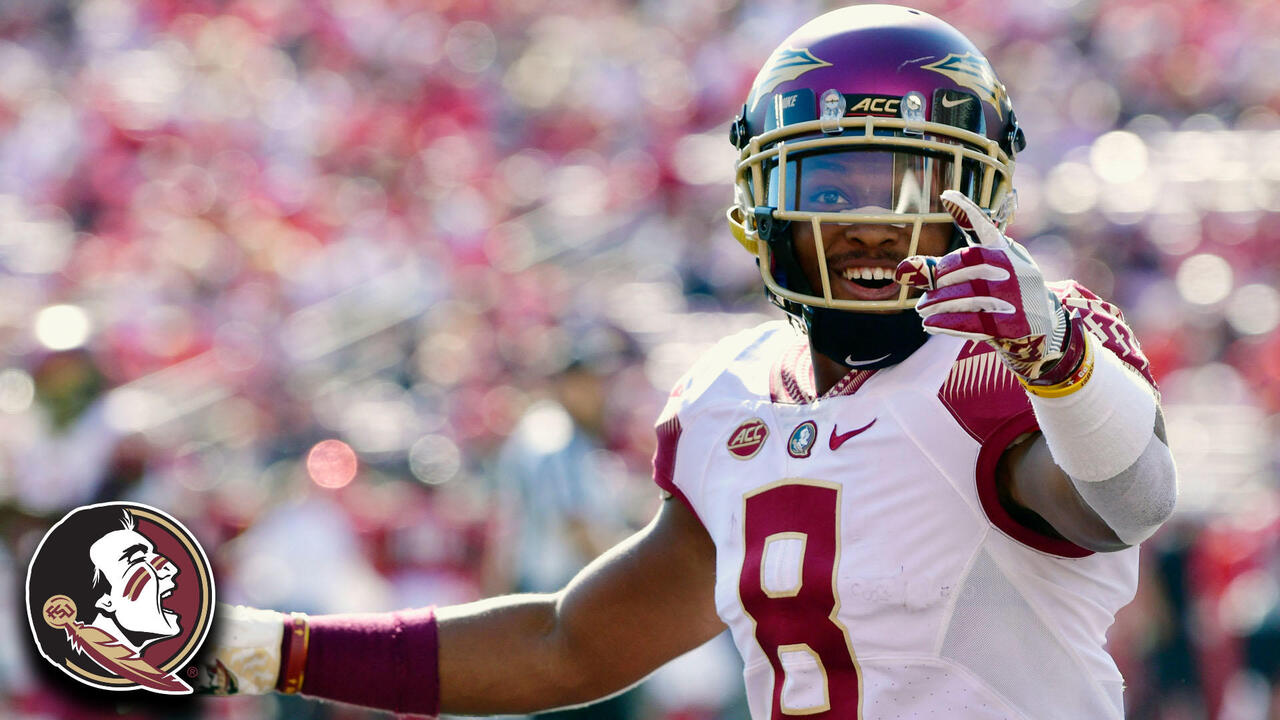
point(668, 430)
point(681, 407)
point(985, 399)
point(733, 368)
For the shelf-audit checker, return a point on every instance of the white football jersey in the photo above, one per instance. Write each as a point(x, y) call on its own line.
point(863, 560)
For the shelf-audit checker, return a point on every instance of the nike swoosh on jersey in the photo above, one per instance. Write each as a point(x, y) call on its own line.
point(838, 438)
point(855, 363)
point(946, 103)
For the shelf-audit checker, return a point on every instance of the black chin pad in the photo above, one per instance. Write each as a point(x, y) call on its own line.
point(864, 341)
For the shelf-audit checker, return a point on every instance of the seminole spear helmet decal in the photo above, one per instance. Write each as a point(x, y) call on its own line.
point(119, 597)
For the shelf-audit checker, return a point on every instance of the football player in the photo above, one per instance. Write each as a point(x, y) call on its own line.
point(922, 497)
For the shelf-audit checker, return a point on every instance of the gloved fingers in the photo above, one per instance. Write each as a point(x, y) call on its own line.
point(965, 325)
point(916, 271)
point(961, 299)
point(968, 273)
point(972, 256)
point(973, 221)
point(963, 265)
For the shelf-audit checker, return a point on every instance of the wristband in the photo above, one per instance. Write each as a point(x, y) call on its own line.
point(380, 660)
point(293, 653)
point(1073, 382)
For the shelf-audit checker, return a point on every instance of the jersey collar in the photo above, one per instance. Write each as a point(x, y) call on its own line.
point(791, 379)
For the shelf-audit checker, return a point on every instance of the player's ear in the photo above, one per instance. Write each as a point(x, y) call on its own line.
point(105, 603)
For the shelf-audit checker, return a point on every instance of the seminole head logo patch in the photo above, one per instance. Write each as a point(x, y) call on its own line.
point(120, 596)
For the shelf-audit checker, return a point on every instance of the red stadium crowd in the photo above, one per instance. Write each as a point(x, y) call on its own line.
point(295, 270)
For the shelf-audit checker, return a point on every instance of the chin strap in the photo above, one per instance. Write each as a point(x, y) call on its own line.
point(864, 341)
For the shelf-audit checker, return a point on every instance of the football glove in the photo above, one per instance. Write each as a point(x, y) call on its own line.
point(991, 290)
point(245, 655)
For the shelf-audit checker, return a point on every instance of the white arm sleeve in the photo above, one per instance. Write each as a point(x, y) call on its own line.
point(1140, 498)
point(1104, 436)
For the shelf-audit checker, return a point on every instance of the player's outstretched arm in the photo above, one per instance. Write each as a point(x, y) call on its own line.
point(1099, 471)
point(642, 603)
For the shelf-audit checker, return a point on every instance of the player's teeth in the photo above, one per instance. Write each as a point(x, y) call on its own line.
point(866, 273)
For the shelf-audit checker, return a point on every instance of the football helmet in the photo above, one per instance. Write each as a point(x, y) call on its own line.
point(900, 106)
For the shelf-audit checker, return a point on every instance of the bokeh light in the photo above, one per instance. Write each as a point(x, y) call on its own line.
point(331, 464)
point(1254, 309)
point(434, 459)
point(17, 390)
point(704, 159)
point(1071, 188)
point(1248, 600)
point(471, 46)
point(62, 327)
point(1118, 157)
point(1204, 279)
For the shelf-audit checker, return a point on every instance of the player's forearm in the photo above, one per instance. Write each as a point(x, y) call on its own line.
point(1095, 414)
point(501, 655)
point(643, 602)
point(640, 604)
point(1136, 501)
point(506, 655)
point(1106, 433)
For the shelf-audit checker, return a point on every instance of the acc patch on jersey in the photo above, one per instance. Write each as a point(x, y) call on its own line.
point(120, 596)
point(800, 444)
point(747, 439)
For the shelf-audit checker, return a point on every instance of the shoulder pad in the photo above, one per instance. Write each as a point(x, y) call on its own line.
point(738, 364)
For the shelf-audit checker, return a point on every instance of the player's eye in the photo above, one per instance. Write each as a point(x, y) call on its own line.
point(828, 198)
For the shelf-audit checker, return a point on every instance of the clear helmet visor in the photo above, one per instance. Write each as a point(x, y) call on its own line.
point(867, 181)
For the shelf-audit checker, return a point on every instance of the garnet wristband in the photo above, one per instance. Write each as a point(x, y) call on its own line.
point(1071, 370)
point(1083, 370)
point(379, 660)
point(293, 653)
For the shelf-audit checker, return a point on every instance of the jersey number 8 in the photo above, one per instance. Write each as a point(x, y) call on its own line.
point(788, 588)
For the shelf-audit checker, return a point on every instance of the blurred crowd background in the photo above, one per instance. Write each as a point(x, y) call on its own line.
point(382, 297)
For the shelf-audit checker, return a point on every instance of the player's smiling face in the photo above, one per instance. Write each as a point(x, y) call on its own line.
point(861, 258)
point(139, 581)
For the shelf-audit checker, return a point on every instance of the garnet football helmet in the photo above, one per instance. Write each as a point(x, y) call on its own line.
point(898, 102)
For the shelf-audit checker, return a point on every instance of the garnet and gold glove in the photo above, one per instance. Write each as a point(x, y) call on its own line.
point(991, 290)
